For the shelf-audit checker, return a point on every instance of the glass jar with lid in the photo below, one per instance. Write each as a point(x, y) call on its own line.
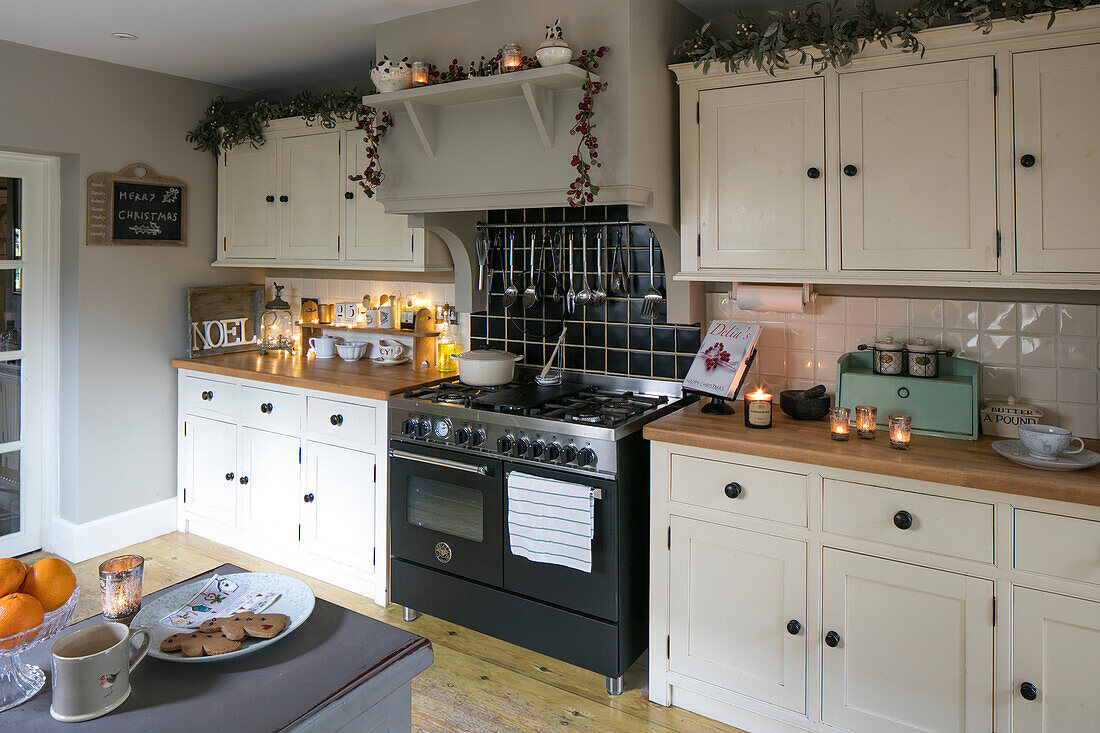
point(277, 326)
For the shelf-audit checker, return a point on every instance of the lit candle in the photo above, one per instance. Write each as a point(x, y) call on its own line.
point(120, 585)
point(838, 422)
point(901, 431)
point(420, 73)
point(758, 409)
point(512, 56)
point(866, 421)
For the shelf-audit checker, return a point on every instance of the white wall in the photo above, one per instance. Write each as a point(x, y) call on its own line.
point(123, 309)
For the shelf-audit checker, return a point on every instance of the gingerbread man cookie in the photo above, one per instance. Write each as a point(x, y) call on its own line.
point(256, 625)
point(198, 643)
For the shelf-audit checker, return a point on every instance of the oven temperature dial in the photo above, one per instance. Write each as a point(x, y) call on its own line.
point(478, 437)
point(553, 451)
point(505, 443)
point(443, 429)
point(569, 453)
point(522, 444)
point(424, 428)
point(538, 448)
point(586, 457)
point(462, 436)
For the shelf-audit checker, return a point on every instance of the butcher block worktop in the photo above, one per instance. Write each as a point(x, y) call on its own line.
point(940, 460)
point(362, 378)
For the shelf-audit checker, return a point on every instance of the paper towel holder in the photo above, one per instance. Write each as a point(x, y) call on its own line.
point(809, 293)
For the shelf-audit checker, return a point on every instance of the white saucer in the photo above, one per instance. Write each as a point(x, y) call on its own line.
point(378, 360)
point(1015, 451)
point(324, 357)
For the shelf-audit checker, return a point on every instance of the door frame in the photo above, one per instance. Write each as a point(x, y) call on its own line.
point(40, 431)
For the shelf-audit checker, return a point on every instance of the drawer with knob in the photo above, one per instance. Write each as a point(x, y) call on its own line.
point(342, 420)
point(210, 396)
point(760, 493)
point(1061, 547)
point(923, 522)
point(271, 409)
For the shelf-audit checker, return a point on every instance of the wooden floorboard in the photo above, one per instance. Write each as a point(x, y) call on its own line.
point(477, 684)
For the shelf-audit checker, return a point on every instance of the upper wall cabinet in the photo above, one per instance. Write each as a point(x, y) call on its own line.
point(899, 168)
point(290, 203)
point(1056, 118)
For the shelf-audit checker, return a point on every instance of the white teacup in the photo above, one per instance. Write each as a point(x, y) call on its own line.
point(91, 670)
point(1049, 442)
point(390, 350)
point(324, 347)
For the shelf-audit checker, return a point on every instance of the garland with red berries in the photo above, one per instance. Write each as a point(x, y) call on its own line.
point(582, 190)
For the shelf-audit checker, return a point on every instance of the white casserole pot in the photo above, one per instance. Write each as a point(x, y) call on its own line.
point(486, 367)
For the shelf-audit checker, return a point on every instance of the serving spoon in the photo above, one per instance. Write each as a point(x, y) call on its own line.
point(510, 292)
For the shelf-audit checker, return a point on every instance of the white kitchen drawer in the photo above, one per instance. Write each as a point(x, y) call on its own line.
point(209, 395)
point(271, 409)
point(937, 524)
point(1063, 547)
point(730, 487)
point(341, 420)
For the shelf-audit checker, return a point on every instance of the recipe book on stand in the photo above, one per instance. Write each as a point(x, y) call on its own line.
point(724, 358)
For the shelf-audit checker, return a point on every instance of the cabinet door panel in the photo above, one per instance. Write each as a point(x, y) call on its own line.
point(210, 456)
point(758, 206)
point(338, 522)
point(721, 637)
point(1056, 111)
point(372, 234)
point(270, 462)
point(310, 179)
point(1056, 647)
point(915, 650)
point(250, 222)
point(921, 140)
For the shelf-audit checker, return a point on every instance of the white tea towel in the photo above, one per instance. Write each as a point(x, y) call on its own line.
point(550, 521)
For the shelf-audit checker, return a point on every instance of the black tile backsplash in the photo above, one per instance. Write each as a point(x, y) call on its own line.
point(612, 338)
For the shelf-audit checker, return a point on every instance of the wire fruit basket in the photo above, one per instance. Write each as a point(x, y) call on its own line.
point(20, 682)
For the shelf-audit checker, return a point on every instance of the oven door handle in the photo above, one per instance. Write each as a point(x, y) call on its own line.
point(441, 462)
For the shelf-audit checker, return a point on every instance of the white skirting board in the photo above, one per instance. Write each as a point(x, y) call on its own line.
point(78, 542)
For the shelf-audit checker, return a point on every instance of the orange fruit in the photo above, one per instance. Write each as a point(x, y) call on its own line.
point(18, 612)
point(51, 581)
point(12, 573)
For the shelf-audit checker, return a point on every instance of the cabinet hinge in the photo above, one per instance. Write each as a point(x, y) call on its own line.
point(699, 244)
point(412, 243)
point(299, 456)
point(668, 647)
point(223, 244)
point(670, 537)
point(185, 429)
point(185, 496)
point(376, 473)
point(995, 86)
point(994, 610)
point(299, 533)
point(697, 113)
point(998, 244)
point(337, 244)
point(340, 143)
point(374, 556)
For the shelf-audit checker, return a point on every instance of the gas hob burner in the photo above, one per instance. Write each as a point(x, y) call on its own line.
point(588, 416)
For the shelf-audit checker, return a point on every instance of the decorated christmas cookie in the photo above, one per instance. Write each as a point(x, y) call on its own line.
point(256, 625)
point(200, 642)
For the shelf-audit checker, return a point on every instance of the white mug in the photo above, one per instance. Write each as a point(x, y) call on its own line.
point(371, 319)
point(324, 347)
point(91, 670)
point(1048, 442)
point(385, 317)
point(390, 350)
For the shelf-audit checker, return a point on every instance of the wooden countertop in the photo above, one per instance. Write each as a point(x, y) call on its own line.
point(361, 378)
point(940, 460)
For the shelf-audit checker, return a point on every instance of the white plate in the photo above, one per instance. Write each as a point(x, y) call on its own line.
point(295, 601)
point(1015, 451)
point(378, 360)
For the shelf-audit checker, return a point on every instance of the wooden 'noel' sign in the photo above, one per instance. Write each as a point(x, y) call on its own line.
point(138, 207)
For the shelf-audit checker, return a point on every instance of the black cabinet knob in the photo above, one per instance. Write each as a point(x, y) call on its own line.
point(207, 396)
point(349, 195)
point(308, 498)
point(832, 639)
point(813, 173)
point(229, 476)
point(336, 419)
point(733, 490)
point(903, 520)
point(1028, 691)
point(284, 199)
point(850, 170)
point(244, 479)
point(270, 199)
point(793, 627)
point(266, 408)
point(1027, 160)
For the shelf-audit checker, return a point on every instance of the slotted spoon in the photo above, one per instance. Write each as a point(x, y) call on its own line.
point(651, 303)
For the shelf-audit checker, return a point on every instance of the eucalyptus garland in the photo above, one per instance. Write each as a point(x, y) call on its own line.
point(825, 33)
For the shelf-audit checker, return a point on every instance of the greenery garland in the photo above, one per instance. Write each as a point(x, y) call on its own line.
point(824, 33)
point(582, 190)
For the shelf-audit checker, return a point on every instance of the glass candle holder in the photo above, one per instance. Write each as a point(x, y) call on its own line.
point(838, 422)
point(512, 57)
point(120, 586)
point(420, 73)
point(758, 409)
point(866, 421)
point(901, 431)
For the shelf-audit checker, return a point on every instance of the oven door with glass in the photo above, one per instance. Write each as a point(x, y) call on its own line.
point(445, 511)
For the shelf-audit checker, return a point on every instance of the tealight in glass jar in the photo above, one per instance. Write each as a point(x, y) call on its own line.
point(901, 431)
point(866, 421)
point(839, 417)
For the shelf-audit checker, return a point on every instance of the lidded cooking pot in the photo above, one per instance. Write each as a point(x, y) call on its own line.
point(923, 358)
point(888, 355)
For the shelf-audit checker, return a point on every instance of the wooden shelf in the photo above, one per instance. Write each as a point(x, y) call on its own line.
point(365, 329)
point(536, 86)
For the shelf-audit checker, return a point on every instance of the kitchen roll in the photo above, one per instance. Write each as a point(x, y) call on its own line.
point(774, 298)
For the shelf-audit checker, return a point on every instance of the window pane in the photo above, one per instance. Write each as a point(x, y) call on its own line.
point(11, 317)
point(10, 219)
point(10, 405)
point(10, 497)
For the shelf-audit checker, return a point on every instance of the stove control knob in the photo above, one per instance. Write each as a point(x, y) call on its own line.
point(462, 436)
point(505, 443)
point(538, 448)
point(408, 427)
point(586, 457)
point(553, 451)
point(521, 446)
point(477, 438)
point(569, 453)
point(424, 428)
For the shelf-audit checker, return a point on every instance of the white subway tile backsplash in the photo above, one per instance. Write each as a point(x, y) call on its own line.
point(998, 349)
point(1037, 318)
point(1038, 351)
point(856, 335)
point(1078, 419)
point(801, 336)
point(997, 316)
point(1077, 320)
point(965, 344)
point(893, 312)
point(1077, 385)
point(829, 309)
point(999, 381)
point(800, 364)
point(926, 313)
point(960, 314)
point(1038, 385)
point(773, 335)
point(1077, 353)
point(860, 311)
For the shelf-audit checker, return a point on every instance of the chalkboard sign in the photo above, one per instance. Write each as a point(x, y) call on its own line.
point(138, 207)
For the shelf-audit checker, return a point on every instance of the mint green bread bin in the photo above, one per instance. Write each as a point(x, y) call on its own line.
point(946, 406)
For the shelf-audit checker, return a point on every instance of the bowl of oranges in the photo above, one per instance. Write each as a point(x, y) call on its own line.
point(36, 602)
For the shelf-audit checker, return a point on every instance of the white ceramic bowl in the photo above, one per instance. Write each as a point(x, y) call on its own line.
point(351, 350)
point(554, 55)
point(392, 81)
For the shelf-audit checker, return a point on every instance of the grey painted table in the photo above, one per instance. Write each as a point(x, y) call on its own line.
point(339, 671)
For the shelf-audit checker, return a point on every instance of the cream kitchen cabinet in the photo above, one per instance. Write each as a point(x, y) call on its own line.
point(309, 196)
point(247, 212)
point(1056, 122)
point(270, 480)
point(338, 513)
point(209, 469)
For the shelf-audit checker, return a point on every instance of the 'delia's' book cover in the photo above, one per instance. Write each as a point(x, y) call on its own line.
point(720, 365)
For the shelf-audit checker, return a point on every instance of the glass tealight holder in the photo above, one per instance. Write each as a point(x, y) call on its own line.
point(420, 73)
point(839, 418)
point(901, 431)
point(866, 421)
point(511, 57)
point(120, 586)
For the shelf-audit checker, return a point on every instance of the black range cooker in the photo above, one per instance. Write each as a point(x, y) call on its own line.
point(451, 450)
